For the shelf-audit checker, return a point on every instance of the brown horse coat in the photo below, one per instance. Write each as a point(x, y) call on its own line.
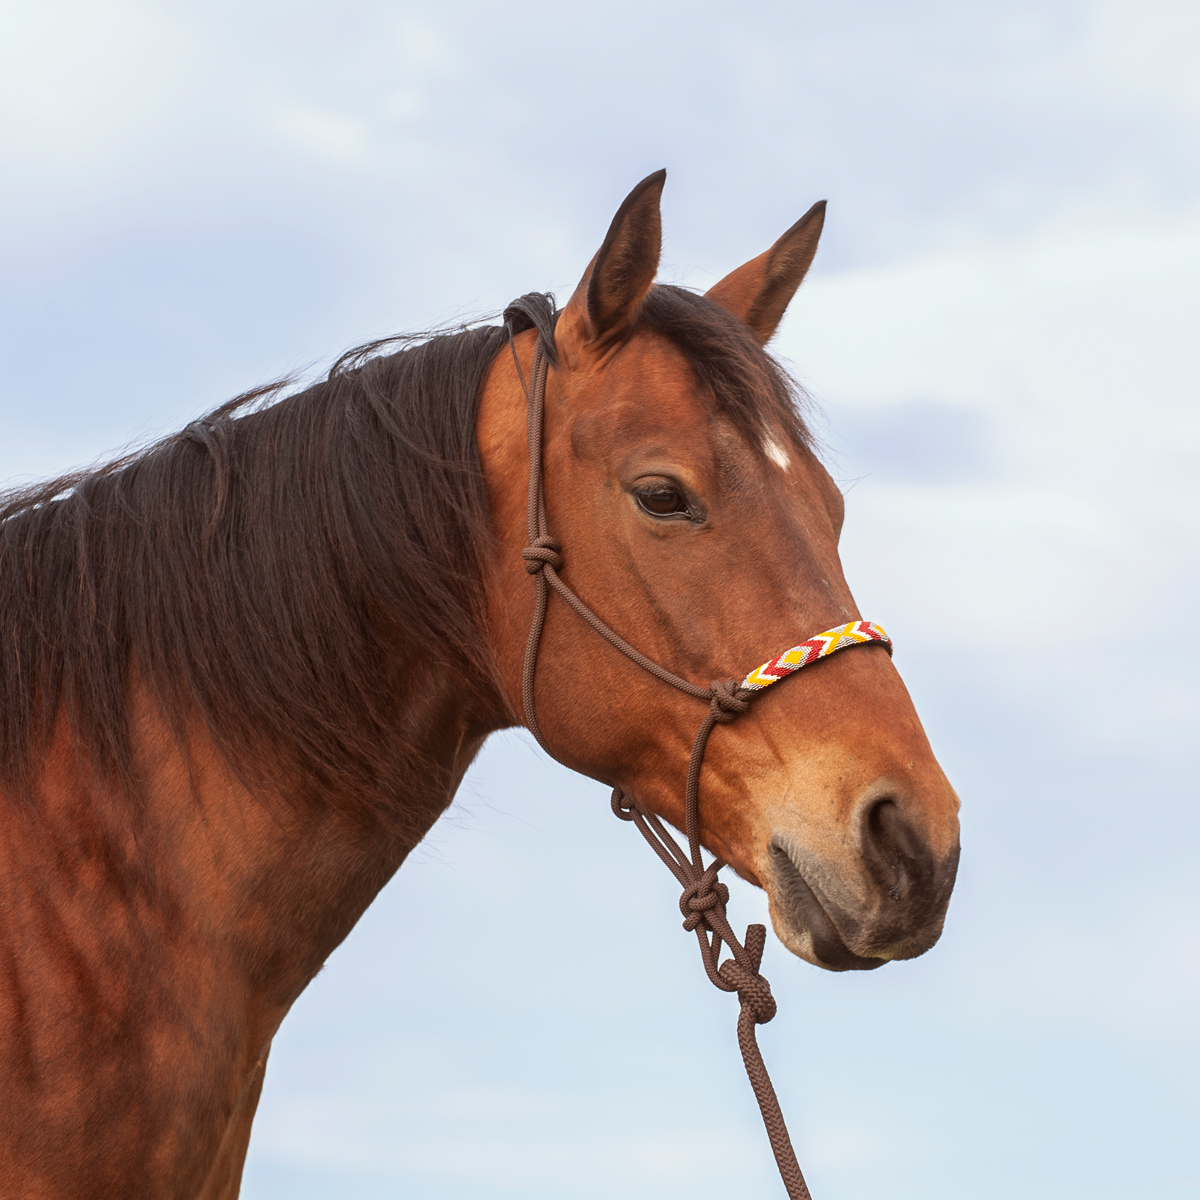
point(242, 673)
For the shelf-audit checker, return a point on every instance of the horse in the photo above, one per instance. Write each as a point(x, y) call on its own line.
point(244, 669)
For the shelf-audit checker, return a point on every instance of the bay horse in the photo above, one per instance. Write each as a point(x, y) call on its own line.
point(244, 670)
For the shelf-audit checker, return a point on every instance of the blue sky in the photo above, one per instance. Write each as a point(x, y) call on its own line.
point(999, 336)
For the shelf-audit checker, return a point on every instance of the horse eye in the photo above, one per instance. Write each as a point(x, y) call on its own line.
point(662, 501)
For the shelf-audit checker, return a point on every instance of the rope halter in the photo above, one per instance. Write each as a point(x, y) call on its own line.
point(704, 897)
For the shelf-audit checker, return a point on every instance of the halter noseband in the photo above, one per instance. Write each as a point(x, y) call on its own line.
point(704, 896)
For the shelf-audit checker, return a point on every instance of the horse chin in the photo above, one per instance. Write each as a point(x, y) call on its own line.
point(804, 925)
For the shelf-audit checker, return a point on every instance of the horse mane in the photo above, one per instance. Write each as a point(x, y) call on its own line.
point(244, 567)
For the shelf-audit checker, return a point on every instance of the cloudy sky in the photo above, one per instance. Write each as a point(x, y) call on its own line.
point(1000, 336)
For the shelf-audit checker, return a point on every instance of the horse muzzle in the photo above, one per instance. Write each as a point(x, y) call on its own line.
point(887, 900)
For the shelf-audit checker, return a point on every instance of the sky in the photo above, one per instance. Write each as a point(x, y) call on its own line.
point(998, 336)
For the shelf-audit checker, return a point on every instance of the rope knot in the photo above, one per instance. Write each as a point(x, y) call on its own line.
point(728, 700)
point(701, 896)
point(623, 806)
point(543, 552)
point(753, 990)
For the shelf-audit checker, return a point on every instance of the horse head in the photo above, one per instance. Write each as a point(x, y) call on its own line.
point(697, 522)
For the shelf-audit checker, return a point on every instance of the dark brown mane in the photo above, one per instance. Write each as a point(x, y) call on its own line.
point(248, 565)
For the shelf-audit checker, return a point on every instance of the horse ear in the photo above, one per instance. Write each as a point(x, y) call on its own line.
point(760, 291)
point(604, 304)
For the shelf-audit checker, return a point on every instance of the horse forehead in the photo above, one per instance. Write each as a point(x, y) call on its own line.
point(649, 391)
point(649, 379)
point(690, 433)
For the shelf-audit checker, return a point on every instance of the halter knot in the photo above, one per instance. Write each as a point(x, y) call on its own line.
point(622, 805)
point(728, 700)
point(543, 552)
point(701, 896)
point(753, 990)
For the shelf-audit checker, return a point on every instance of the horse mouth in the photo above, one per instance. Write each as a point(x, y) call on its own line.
point(810, 920)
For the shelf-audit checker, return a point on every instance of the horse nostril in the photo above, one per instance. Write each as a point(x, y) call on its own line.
point(899, 860)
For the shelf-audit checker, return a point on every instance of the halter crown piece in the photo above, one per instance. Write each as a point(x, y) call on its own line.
point(704, 896)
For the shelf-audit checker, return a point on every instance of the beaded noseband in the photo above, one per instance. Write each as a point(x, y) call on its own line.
point(704, 896)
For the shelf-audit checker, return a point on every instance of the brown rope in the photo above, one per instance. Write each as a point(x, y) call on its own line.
point(704, 897)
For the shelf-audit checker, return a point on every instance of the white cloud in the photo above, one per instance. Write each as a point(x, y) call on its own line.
point(327, 134)
point(84, 81)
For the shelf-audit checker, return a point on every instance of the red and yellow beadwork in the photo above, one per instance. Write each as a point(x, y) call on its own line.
point(820, 646)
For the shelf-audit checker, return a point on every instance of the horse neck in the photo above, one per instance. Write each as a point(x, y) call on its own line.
point(156, 943)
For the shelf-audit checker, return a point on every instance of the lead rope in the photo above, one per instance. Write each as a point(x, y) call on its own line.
point(704, 896)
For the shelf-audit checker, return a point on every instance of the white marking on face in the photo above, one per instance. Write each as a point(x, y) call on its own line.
point(776, 453)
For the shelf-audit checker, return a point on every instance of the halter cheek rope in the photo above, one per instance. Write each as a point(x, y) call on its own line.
point(704, 896)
